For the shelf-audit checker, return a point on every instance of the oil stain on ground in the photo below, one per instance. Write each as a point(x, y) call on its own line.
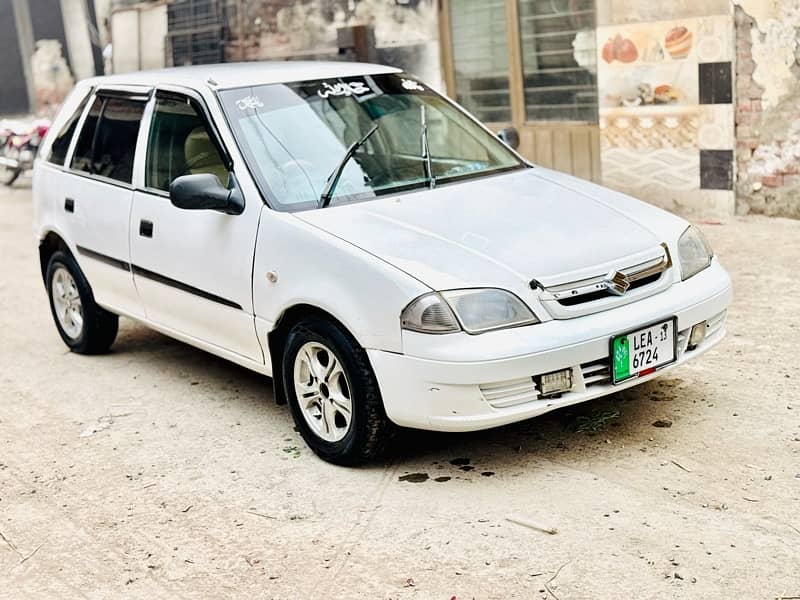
point(414, 477)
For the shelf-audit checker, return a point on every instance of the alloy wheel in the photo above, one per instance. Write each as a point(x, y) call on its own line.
point(323, 391)
point(67, 303)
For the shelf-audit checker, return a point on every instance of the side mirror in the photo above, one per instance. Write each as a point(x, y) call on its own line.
point(510, 136)
point(205, 192)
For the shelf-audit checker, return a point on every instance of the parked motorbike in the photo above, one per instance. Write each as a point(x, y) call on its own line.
point(18, 148)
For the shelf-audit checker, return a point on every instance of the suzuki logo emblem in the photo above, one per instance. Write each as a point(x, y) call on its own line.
point(617, 283)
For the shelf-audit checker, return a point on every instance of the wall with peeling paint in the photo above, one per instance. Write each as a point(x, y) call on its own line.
point(406, 35)
point(768, 107)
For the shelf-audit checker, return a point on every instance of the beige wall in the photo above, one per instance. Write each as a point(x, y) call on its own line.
point(611, 12)
point(138, 36)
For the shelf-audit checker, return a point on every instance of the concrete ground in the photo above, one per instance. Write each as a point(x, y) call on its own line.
point(160, 471)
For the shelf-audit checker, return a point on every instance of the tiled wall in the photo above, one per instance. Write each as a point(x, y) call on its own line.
point(666, 112)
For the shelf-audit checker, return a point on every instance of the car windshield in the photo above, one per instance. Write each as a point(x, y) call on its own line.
point(295, 135)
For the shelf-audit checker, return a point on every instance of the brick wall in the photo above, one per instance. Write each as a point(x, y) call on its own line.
point(767, 140)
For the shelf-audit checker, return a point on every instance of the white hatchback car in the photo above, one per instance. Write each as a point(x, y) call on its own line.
point(364, 241)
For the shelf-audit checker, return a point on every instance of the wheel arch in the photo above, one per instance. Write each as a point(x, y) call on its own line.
point(49, 244)
point(276, 338)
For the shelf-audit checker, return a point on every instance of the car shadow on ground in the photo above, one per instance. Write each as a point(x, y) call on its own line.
point(23, 183)
point(628, 418)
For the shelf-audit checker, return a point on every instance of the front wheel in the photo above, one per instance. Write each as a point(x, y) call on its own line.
point(333, 393)
point(83, 325)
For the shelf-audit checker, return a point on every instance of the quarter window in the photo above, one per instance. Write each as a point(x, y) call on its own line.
point(107, 142)
point(180, 144)
point(58, 151)
point(82, 157)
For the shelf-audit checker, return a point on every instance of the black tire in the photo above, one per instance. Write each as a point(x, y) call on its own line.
point(99, 328)
point(369, 428)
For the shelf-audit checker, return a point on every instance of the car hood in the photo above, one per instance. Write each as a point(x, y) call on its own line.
point(500, 231)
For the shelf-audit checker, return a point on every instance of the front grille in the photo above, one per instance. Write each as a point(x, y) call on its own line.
point(715, 323)
point(683, 340)
point(597, 372)
point(510, 393)
point(592, 296)
point(647, 276)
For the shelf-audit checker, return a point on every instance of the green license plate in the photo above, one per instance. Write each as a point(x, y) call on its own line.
point(643, 351)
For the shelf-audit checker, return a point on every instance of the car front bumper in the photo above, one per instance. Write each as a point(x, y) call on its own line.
point(459, 382)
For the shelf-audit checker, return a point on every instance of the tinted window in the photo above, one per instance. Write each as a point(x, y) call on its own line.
point(107, 142)
point(58, 151)
point(180, 144)
point(82, 157)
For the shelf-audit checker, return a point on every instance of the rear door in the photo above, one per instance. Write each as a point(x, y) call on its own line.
point(98, 193)
point(192, 268)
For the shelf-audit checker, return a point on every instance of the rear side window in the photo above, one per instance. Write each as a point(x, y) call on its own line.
point(58, 150)
point(180, 144)
point(107, 142)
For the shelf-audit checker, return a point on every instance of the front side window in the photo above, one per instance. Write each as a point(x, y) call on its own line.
point(180, 144)
point(294, 136)
point(107, 142)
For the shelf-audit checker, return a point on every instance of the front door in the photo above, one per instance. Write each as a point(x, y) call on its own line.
point(192, 268)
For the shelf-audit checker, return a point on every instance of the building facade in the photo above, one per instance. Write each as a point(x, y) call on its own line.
point(45, 45)
point(689, 105)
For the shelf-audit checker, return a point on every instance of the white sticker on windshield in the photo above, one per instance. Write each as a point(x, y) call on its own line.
point(412, 86)
point(251, 102)
point(342, 89)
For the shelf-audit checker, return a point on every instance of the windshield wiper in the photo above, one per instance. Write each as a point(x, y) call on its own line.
point(426, 151)
point(333, 180)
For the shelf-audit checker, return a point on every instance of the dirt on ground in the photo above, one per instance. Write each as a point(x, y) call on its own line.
point(160, 471)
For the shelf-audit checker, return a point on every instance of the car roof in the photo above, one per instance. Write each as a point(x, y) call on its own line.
point(234, 75)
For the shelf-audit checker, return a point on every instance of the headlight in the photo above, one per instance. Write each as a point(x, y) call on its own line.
point(429, 314)
point(474, 311)
point(694, 251)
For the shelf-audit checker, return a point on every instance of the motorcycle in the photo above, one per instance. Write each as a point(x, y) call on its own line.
point(18, 148)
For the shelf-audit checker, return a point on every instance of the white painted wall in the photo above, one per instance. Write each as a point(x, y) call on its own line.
point(138, 37)
point(79, 43)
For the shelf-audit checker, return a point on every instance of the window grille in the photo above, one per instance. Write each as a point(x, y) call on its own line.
point(559, 59)
point(480, 55)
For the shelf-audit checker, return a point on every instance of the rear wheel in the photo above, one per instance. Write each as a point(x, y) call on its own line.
point(333, 393)
point(83, 325)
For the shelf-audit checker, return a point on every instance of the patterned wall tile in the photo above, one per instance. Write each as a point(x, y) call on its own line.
point(716, 127)
point(665, 95)
point(630, 170)
point(716, 169)
point(715, 42)
point(650, 129)
point(715, 83)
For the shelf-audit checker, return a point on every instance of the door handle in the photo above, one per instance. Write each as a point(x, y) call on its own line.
point(146, 228)
point(69, 205)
